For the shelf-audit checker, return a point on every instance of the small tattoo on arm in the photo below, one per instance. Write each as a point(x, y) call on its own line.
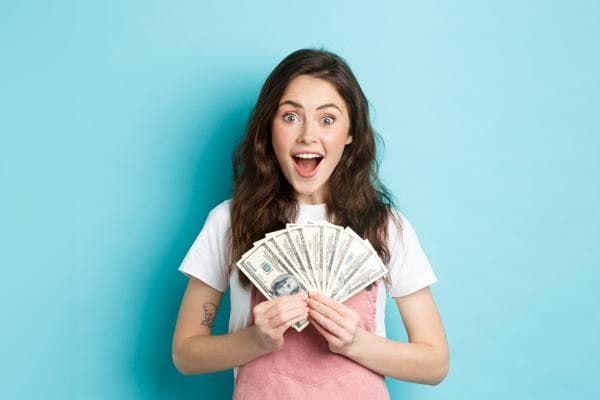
point(210, 311)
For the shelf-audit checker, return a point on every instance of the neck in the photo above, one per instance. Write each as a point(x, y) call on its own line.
point(318, 197)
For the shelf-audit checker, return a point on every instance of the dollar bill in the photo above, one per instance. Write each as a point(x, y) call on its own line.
point(282, 241)
point(302, 250)
point(372, 269)
point(335, 281)
point(312, 256)
point(265, 270)
point(313, 236)
point(331, 238)
point(329, 244)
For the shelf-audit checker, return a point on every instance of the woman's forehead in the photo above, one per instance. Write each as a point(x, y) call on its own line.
point(312, 93)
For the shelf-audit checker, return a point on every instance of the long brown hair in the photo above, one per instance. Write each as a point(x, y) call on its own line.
point(263, 200)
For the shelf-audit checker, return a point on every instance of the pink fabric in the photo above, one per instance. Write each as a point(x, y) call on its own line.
point(306, 369)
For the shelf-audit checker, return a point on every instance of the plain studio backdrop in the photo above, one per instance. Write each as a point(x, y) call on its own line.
point(117, 124)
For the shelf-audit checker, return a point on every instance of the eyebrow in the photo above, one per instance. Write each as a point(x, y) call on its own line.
point(293, 103)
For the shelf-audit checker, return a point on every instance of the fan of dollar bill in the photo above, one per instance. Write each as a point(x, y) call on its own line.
point(314, 256)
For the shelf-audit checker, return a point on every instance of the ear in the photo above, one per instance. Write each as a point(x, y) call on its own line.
point(349, 139)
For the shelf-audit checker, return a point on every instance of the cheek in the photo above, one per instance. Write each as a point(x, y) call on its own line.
point(281, 136)
point(278, 140)
point(335, 145)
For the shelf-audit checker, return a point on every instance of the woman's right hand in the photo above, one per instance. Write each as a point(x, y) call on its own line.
point(273, 317)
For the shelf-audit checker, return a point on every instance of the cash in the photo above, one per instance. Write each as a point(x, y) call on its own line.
point(314, 256)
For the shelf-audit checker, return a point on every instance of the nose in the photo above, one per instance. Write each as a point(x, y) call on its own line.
point(307, 134)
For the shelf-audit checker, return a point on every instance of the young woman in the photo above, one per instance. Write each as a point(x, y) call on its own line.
point(309, 154)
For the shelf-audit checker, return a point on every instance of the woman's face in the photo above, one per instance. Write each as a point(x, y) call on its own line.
point(309, 132)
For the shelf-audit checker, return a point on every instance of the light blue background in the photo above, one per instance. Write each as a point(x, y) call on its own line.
point(117, 124)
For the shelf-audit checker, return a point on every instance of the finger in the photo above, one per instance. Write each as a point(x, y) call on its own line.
point(285, 326)
point(265, 305)
point(302, 296)
point(285, 316)
point(326, 311)
point(264, 311)
point(343, 310)
point(331, 326)
point(331, 339)
point(277, 308)
point(279, 299)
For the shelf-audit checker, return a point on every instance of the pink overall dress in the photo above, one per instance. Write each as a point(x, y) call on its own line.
point(306, 369)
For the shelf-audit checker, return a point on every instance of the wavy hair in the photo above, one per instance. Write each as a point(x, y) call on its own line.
point(263, 200)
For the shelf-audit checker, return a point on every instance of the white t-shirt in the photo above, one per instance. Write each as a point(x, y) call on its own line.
point(206, 260)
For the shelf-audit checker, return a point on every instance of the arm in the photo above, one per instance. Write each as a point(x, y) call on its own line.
point(425, 359)
point(196, 351)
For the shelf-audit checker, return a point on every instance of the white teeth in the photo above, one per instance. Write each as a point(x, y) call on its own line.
point(307, 155)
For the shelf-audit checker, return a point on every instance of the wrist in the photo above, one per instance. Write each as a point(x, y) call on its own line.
point(354, 350)
point(258, 347)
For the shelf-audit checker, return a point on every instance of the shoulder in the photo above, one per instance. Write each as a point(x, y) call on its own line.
point(221, 212)
point(206, 259)
point(400, 230)
point(396, 222)
point(409, 267)
point(218, 219)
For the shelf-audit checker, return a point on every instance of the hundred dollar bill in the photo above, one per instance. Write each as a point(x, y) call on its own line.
point(264, 269)
point(371, 270)
point(313, 235)
point(336, 279)
point(354, 258)
point(331, 241)
point(331, 247)
point(330, 235)
point(302, 249)
point(282, 242)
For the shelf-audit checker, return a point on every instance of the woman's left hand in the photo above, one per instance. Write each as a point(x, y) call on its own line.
point(336, 322)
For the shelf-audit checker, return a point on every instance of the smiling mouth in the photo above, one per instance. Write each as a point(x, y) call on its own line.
point(307, 166)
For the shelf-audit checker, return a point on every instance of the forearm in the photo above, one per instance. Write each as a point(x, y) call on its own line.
point(414, 362)
point(204, 353)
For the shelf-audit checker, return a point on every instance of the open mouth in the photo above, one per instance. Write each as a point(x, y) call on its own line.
point(307, 163)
